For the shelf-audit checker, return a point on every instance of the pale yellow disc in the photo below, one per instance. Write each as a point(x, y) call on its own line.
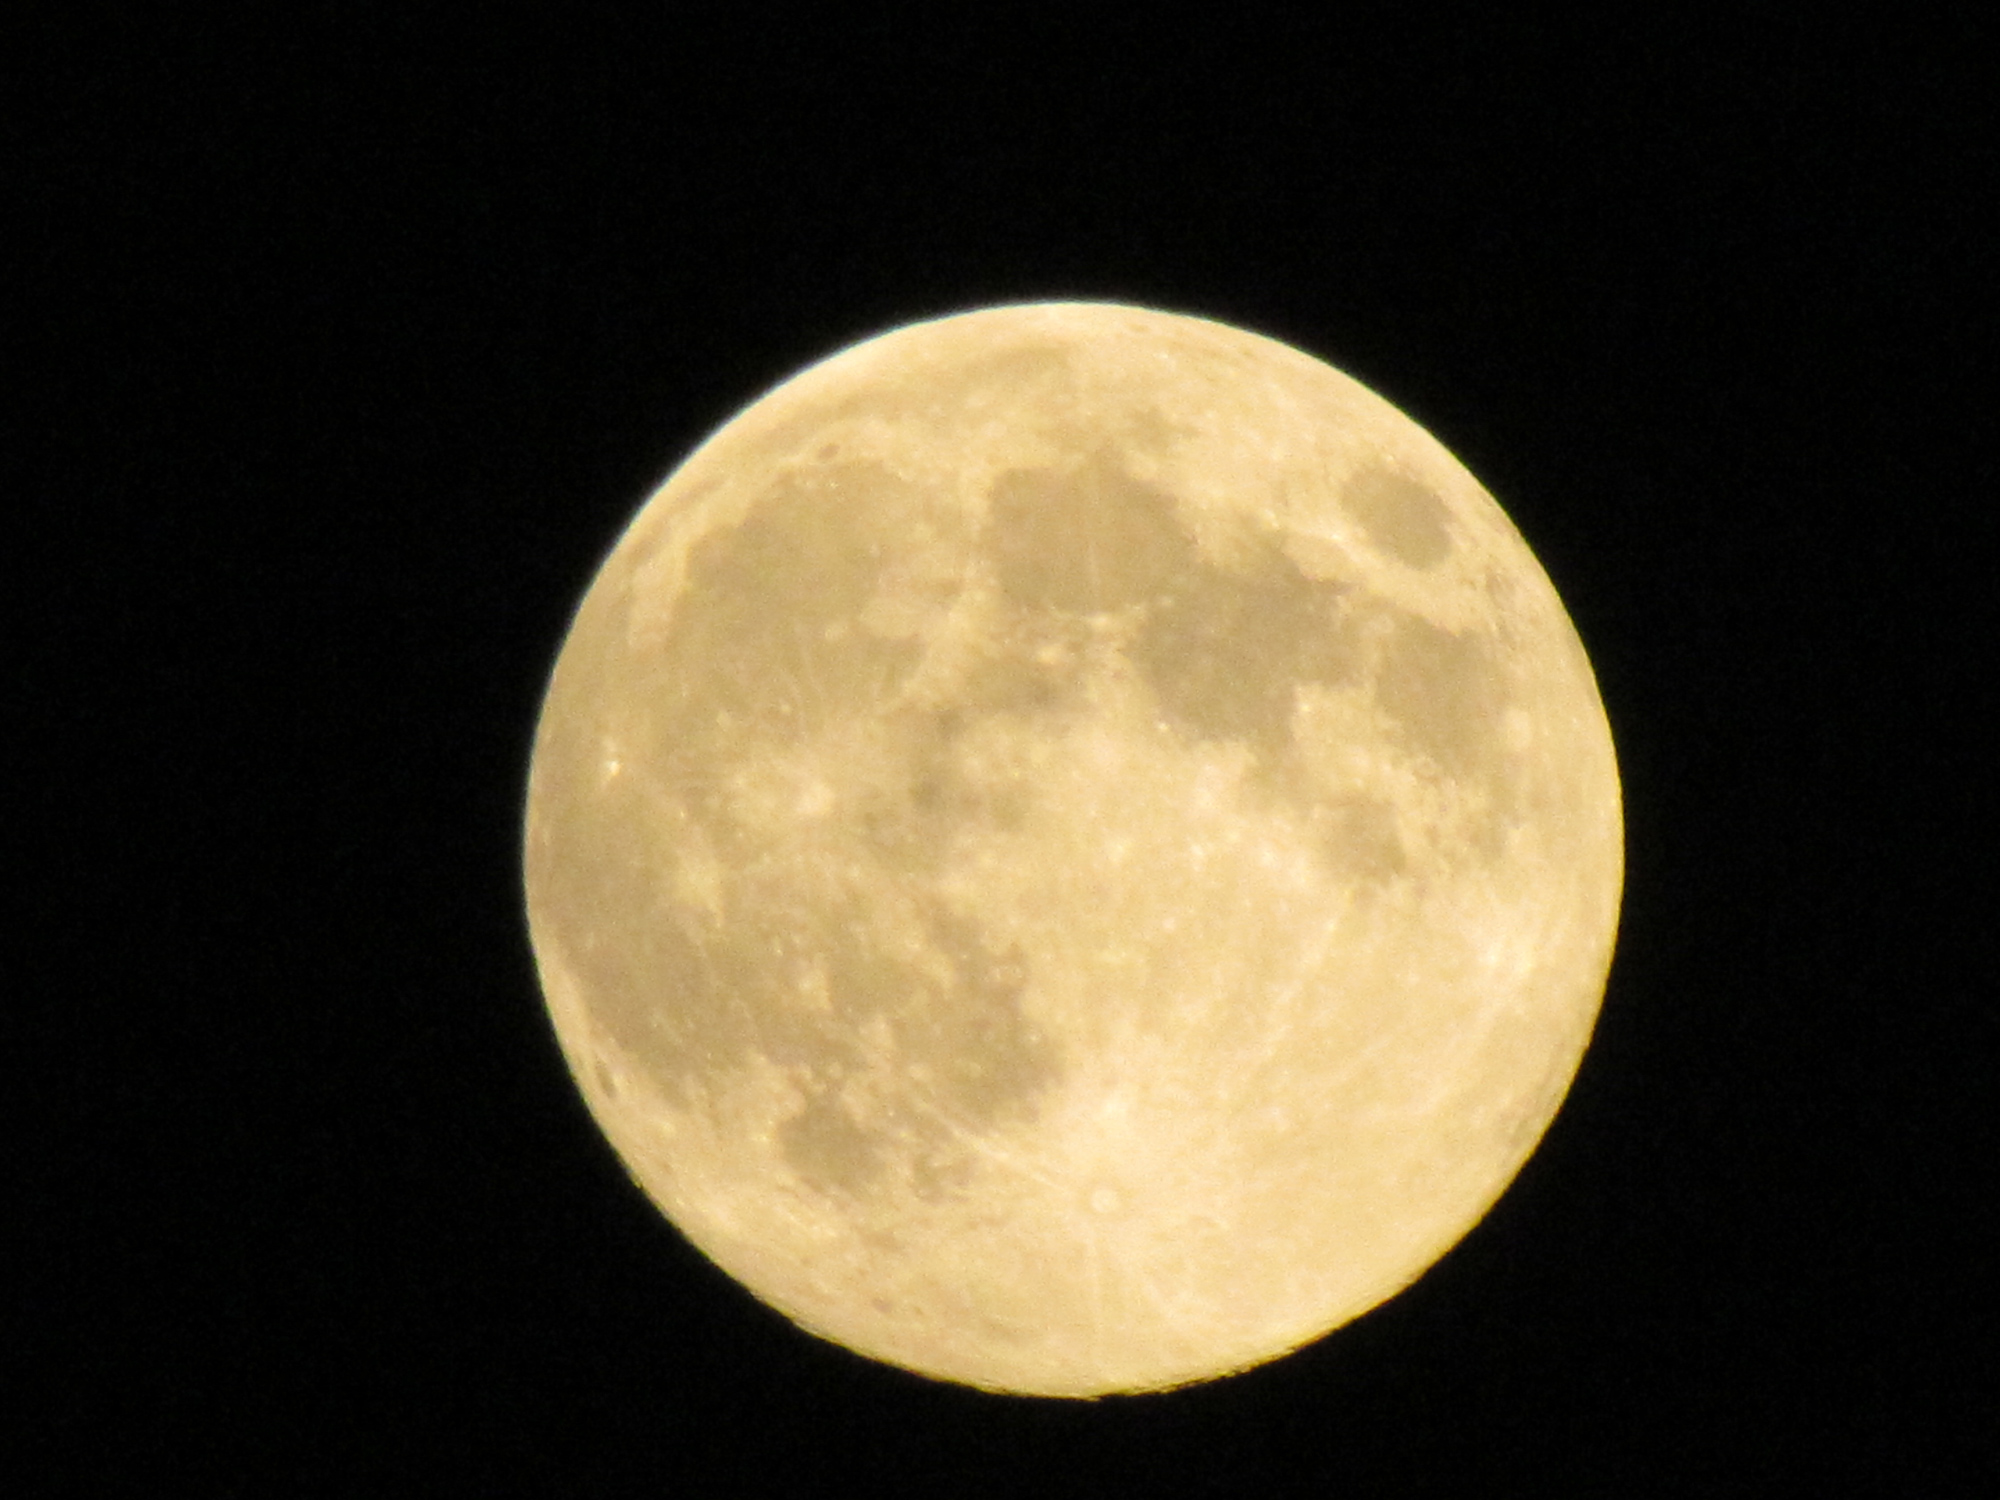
point(1073, 849)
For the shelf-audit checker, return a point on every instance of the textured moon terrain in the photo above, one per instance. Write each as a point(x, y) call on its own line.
point(1072, 849)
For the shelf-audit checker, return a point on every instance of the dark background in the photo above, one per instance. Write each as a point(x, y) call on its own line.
point(351, 337)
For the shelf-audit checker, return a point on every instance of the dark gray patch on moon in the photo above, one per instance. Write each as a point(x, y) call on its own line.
point(1402, 517)
point(1226, 648)
point(826, 1146)
point(1445, 694)
point(763, 640)
point(1357, 838)
point(1222, 648)
point(806, 984)
point(818, 934)
point(966, 1058)
point(1088, 541)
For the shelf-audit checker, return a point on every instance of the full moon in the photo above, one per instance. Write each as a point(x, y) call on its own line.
point(1072, 849)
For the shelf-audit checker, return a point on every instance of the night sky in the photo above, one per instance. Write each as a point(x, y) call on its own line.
point(346, 342)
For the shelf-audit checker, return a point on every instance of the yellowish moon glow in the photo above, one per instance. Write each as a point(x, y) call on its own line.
point(1072, 849)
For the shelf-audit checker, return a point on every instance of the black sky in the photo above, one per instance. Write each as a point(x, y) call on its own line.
point(352, 337)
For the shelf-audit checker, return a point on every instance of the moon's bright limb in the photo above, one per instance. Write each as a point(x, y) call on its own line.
point(1073, 849)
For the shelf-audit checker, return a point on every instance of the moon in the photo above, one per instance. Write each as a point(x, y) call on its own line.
point(1072, 849)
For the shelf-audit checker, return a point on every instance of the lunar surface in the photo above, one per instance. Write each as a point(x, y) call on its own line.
point(1072, 849)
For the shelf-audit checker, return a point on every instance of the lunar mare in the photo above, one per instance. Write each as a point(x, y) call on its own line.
point(1072, 849)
